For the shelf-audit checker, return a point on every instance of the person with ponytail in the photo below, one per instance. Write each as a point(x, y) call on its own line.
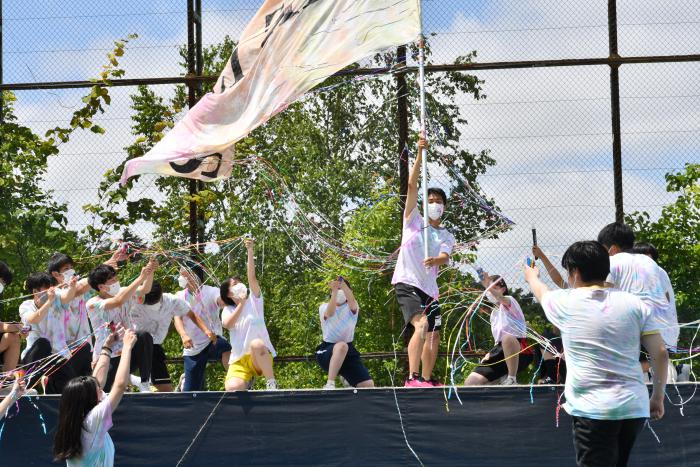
point(85, 411)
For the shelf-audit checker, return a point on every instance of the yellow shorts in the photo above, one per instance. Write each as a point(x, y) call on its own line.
point(243, 368)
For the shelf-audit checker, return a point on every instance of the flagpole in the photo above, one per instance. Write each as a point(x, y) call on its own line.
point(423, 132)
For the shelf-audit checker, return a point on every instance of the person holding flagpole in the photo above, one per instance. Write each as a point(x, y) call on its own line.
point(415, 276)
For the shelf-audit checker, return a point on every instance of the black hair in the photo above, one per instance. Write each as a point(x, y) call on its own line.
point(224, 289)
point(100, 275)
point(79, 397)
point(618, 234)
point(58, 260)
point(644, 248)
point(195, 268)
point(438, 191)
point(5, 273)
point(154, 296)
point(38, 281)
point(499, 282)
point(589, 258)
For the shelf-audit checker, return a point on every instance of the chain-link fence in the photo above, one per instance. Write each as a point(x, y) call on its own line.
point(546, 118)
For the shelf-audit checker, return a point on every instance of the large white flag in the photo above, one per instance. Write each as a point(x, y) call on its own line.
point(289, 47)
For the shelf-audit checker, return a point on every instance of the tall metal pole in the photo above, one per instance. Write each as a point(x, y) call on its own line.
point(615, 111)
point(191, 101)
point(424, 134)
point(199, 70)
point(402, 121)
point(2, 100)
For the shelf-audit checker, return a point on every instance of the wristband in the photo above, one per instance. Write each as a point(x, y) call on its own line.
point(108, 349)
point(105, 354)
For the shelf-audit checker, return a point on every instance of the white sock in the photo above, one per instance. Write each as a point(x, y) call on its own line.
point(330, 384)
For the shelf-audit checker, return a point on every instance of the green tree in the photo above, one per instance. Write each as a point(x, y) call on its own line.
point(676, 235)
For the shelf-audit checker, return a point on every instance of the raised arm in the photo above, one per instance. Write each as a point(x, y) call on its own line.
point(549, 267)
point(414, 176)
point(331, 306)
point(18, 389)
point(102, 366)
point(352, 303)
point(122, 377)
point(40, 314)
point(252, 278)
point(656, 348)
point(70, 291)
point(532, 276)
point(126, 292)
point(231, 319)
point(147, 283)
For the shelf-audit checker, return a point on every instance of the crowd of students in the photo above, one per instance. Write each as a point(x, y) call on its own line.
point(613, 301)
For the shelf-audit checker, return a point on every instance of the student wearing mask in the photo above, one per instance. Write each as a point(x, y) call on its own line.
point(113, 306)
point(198, 346)
point(415, 277)
point(336, 354)
point(602, 329)
point(154, 316)
point(43, 313)
point(244, 317)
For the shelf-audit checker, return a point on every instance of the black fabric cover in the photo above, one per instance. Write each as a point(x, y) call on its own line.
point(496, 426)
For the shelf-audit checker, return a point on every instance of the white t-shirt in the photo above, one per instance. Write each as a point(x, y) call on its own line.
point(601, 332)
point(77, 323)
point(155, 319)
point(409, 265)
point(98, 448)
point(50, 328)
point(641, 276)
point(670, 334)
point(250, 325)
point(204, 304)
point(507, 321)
point(99, 316)
point(341, 326)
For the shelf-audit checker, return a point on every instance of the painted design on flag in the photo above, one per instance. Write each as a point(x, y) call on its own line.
point(288, 48)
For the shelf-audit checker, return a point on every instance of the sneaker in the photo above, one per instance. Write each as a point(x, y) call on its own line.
point(135, 380)
point(180, 383)
point(144, 387)
point(434, 383)
point(272, 385)
point(510, 381)
point(329, 386)
point(345, 382)
point(547, 380)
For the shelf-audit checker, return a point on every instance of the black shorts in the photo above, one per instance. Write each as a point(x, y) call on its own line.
point(495, 367)
point(605, 442)
point(352, 369)
point(159, 370)
point(413, 301)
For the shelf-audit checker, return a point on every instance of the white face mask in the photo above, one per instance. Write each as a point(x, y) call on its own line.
point(68, 275)
point(239, 290)
point(435, 210)
point(340, 297)
point(114, 289)
point(182, 281)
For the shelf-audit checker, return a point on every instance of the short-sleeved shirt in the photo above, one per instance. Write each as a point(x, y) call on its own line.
point(250, 325)
point(99, 316)
point(641, 276)
point(98, 448)
point(341, 326)
point(76, 319)
point(205, 305)
point(670, 334)
point(50, 328)
point(601, 331)
point(409, 265)
point(155, 319)
point(507, 321)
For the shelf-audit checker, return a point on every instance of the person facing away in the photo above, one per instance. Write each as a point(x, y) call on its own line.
point(244, 317)
point(415, 277)
point(113, 306)
point(85, 411)
point(198, 346)
point(154, 316)
point(510, 354)
point(602, 329)
point(337, 355)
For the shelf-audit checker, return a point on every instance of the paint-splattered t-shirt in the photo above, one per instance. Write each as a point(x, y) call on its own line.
point(119, 315)
point(204, 304)
point(641, 276)
point(76, 320)
point(50, 328)
point(507, 320)
point(341, 326)
point(409, 265)
point(249, 326)
point(98, 448)
point(601, 331)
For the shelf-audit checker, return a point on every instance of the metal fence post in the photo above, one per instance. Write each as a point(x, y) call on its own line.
point(615, 110)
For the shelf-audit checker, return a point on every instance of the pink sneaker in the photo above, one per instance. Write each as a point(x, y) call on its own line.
point(434, 383)
point(414, 383)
